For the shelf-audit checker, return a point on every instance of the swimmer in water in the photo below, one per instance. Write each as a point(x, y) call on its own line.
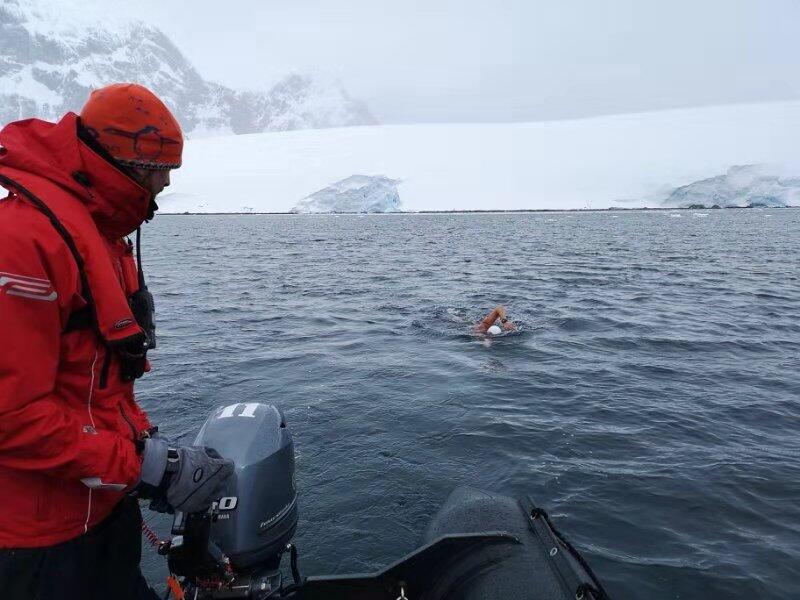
point(487, 324)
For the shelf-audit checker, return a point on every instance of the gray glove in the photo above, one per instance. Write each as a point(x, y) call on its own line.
point(183, 478)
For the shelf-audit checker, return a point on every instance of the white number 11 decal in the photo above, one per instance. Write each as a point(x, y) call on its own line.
point(249, 410)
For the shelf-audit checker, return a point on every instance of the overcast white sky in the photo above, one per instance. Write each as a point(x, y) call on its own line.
point(498, 60)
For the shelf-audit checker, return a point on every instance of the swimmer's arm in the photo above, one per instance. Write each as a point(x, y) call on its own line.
point(498, 313)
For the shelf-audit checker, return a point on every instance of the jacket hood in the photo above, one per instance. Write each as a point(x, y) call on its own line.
point(117, 203)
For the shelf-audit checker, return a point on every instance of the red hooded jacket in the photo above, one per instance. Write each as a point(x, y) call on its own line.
point(67, 447)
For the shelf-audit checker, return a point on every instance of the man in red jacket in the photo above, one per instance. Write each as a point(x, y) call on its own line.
point(76, 321)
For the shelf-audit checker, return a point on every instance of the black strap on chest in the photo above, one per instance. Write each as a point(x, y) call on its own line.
point(132, 362)
point(65, 235)
point(81, 318)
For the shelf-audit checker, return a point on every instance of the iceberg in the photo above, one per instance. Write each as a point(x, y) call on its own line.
point(741, 186)
point(355, 194)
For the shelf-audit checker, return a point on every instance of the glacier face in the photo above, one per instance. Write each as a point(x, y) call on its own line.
point(740, 186)
point(355, 194)
point(52, 56)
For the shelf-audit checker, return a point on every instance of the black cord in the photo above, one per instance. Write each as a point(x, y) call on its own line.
point(139, 271)
point(293, 563)
point(597, 589)
point(290, 591)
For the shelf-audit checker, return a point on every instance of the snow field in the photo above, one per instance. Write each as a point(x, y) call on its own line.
point(629, 160)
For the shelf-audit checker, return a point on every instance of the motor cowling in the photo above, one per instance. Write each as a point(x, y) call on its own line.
point(257, 515)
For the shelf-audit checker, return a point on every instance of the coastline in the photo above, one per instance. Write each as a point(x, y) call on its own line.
point(486, 211)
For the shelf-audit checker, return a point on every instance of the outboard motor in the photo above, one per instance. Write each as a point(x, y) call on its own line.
point(258, 514)
point(246, 532)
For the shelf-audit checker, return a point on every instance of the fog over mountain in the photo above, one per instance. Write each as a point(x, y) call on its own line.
point(498, 60)
point(51, 58)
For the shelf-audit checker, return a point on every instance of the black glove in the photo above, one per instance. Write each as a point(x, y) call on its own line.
point(183, 478)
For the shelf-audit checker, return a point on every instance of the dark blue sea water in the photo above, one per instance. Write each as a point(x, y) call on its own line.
point(651, 401)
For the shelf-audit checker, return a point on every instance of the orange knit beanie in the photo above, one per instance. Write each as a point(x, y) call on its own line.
point(134, 126)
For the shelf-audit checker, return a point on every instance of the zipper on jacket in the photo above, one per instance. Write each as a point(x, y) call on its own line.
point(91, 420)
point(129, 422)
point(104, 370)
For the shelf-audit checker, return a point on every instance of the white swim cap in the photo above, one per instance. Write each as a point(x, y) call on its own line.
point(494, 330)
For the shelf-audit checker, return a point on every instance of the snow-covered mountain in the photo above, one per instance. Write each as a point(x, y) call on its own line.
point(52, 55)
point(631, 160)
